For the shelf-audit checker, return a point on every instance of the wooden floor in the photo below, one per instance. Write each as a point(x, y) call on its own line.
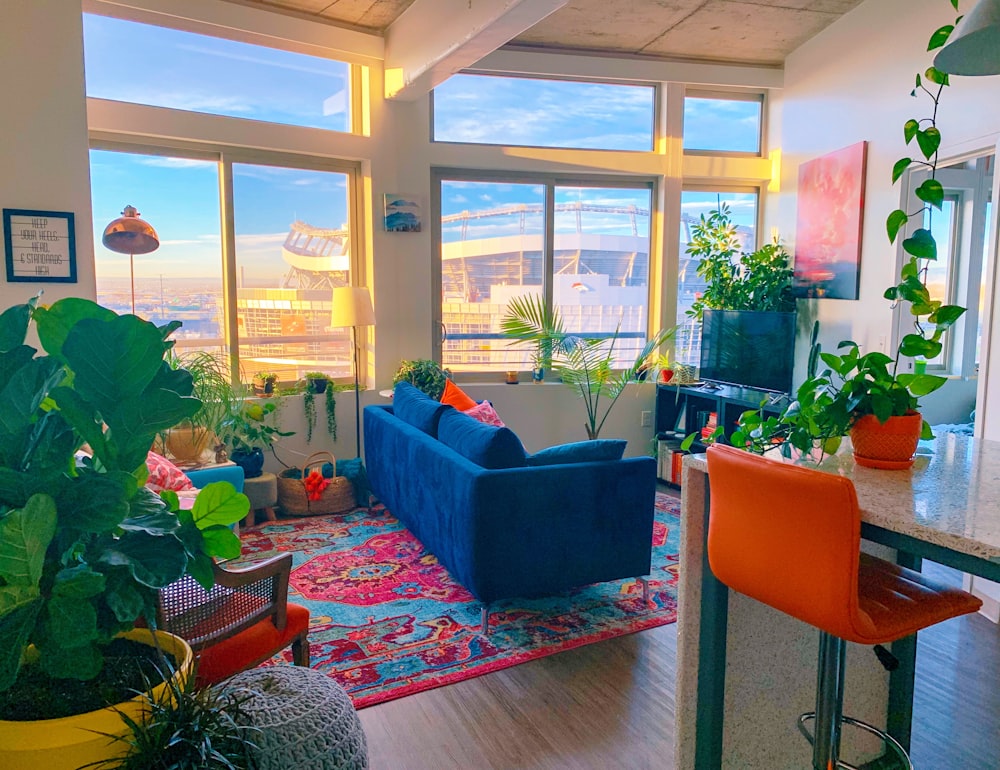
point(611, 705)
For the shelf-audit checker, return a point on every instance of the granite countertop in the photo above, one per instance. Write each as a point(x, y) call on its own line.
point(950, 497)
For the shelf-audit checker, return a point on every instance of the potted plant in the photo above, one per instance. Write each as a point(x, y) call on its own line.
point(264, 382)
point(316, 383)
point(528, 320)
point(188, 727)
point(188, 440)
point(84, 546)
point(587, 365)
point(248, 432)
point(867, 395)
point(423, 374)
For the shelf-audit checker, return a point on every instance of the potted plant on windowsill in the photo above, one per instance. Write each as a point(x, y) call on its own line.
point(867, 395)
point(188, 440)
point(84, 545)
point(264, 383)
point(319, 383)
point(248, 432)
point(425, 375)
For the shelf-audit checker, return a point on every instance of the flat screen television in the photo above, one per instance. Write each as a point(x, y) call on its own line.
point(754, 349)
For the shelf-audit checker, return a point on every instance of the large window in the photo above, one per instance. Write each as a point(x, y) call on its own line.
point(695, 204)
point(722, 123)
point(144, 64)
point(595, 268)
point(291, 247)
point(491, 109)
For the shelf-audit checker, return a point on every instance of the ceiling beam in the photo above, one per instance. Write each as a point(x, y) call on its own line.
point(434, 39)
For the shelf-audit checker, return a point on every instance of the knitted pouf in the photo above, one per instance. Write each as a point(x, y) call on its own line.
point(306, 720)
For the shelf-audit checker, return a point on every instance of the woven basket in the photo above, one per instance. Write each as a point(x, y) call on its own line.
point(336, 498)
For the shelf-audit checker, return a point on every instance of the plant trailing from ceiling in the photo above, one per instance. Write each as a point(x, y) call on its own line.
point(84, 546)
point(590, 366)
point(855, 384)
point(759, 280)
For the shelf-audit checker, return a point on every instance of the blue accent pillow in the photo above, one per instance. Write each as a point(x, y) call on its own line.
point(598, 450)
point(485, 445)
point(413, 406)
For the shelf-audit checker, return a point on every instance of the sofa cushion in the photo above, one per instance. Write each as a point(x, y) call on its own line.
point(485, 445)
point(413, 406)
point(597, 450)
point(457, 397)
point(484, 412)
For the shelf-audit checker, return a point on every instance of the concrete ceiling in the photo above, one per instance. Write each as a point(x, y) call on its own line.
point(761, 32)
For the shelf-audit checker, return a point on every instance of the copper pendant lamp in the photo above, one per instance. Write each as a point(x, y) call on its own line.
point(130, 235)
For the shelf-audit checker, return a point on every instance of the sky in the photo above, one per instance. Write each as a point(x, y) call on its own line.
point(179, 197)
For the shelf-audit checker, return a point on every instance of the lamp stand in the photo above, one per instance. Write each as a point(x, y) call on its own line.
point(357, 395)
point(131, 275)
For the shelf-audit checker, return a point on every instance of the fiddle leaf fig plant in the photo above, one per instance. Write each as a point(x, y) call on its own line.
point(84, 545)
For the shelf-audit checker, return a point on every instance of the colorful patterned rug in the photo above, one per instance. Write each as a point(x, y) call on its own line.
point(389, 621)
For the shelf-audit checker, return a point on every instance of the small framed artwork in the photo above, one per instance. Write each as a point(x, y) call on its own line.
point(829, 224)
point(39, 246)
point(403, 213)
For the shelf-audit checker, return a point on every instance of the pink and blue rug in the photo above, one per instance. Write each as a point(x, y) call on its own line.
point(389, 621)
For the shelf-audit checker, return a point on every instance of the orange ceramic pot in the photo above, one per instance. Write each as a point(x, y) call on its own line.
point(889, 445)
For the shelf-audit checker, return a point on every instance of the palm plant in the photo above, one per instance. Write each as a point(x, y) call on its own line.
point(587, 365)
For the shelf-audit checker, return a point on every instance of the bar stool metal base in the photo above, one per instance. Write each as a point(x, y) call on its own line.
point(829, 713)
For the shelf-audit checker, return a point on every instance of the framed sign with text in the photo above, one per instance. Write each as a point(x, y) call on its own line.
point(39, 245)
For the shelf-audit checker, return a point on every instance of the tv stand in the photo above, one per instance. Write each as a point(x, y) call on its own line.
point(684, 409)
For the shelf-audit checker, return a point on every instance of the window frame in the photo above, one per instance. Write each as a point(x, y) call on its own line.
point(226, 156)
point(653, 125)
point(550, 182)
point(733, 96)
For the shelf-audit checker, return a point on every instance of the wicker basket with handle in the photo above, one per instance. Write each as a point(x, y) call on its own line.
point(294, 500)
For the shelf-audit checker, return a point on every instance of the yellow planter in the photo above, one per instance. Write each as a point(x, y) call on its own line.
point(68, 743)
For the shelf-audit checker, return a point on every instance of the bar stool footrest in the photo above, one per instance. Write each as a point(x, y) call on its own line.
point(891, 742)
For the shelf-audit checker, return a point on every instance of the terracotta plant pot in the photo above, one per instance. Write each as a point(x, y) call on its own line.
point(890, 445)
point(69, 742)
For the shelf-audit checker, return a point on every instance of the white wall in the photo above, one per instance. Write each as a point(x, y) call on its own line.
point(852, 83)
point(43, 134)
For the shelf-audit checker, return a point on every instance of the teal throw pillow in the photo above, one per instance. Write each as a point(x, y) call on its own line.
point(598, 450)
point(415, 407)
point(486, 445)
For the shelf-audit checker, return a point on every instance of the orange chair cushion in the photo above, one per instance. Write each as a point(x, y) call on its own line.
point(457, 397)
point(249, 647)
point(898, 602)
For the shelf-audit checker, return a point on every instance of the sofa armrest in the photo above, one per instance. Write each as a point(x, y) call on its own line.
point(204, 476)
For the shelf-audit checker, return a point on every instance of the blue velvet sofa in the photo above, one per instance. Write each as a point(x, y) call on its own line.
point(503, 532)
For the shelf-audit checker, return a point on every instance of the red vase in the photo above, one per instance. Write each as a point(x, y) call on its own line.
point(889, 445)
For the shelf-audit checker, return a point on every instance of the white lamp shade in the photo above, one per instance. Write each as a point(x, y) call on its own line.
point(974, 46)
point(352, 306)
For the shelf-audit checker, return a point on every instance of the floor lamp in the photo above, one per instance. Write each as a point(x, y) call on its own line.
point(352, 306)
point(130, 235)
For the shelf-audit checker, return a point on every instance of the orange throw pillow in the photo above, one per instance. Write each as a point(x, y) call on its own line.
point(455, 396)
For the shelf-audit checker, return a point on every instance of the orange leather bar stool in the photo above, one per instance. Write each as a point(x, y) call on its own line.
point(790, 537)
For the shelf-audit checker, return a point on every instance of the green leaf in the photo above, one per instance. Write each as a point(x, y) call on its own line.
point(221, 542)
point(79, 582)
point(23, 393)
point(70, 622)
point(929, 140)
point(17, 620)
point(931, 191)
point(901, 165)
point(14, 326)
point(96, 502)
point(925, 431)
point(200, 568)
point(81, 662)
point(881, 407)
point(25, 535)
point(946, 315)
point(894, 222)
point(54, 323)
point(148, 513)
point(219, 503)
point(912, 127)
point(921, 245)
point(124, 599)
point(921, 384)
point(914, 346)
point(153, 561)
point(935, 75)
point(940, 36)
